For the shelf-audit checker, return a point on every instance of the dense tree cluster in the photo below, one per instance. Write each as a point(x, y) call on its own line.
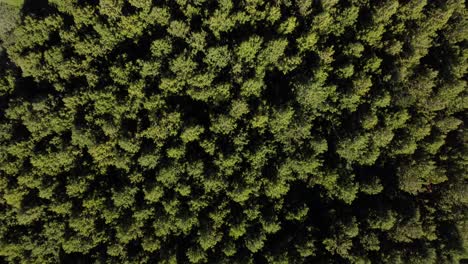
point(194, 131)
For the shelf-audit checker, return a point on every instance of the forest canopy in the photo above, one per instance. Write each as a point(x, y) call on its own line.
point(250, 131)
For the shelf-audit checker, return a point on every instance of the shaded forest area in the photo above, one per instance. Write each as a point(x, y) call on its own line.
point(252, 131)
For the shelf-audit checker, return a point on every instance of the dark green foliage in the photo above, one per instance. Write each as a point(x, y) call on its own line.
point(288, 131)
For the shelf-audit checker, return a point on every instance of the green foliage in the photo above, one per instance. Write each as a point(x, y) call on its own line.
point(9, 18)
point(17, 3)
point(230, 131)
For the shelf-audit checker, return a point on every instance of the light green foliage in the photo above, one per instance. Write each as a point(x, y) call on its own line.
point(178, 29)
point(252, 87)
point(254, 242)
point(223, 124)
point(192, 133)
point(273, 51)
point(161, 47)
point(372, 186)
point(313, 95)
point(17, 3)
point(307, 42)
point(288, 26)
point(248, 50)
point(371, 242)
point(9, 18)
point(413, 177)
point(356, 149)
point(218, 57)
